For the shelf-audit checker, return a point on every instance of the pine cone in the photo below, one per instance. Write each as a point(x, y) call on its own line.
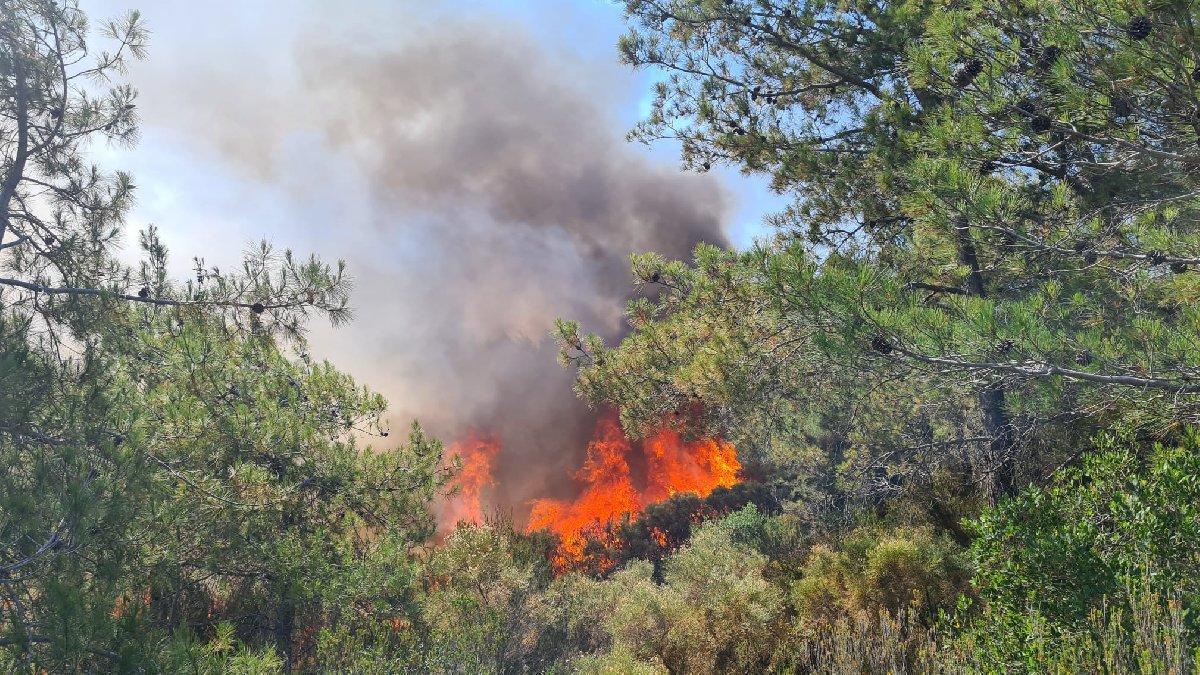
point(1156, 257)
point(966, 73)
point(880, 344)
point(1048, 56)
point(257, 308)
point(1139, 28)
point(1179, 267)
point(1041, 124)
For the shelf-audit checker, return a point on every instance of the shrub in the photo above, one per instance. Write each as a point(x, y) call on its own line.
point(1119, 517)
point(905, 569)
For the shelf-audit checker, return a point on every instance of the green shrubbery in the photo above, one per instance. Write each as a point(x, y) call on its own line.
point(904, 569)
point(903, 598)
point(1127, 514)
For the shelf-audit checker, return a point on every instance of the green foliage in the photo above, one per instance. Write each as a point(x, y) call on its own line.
point(878, 600)
point(989, 259)
point(1121, 515)
point(619, 661)
point(984, 250)
point(1143, 632)
point(184, 488)
point(221, 654)
point(480, 599)
point(904, 570)
point(1147, 638)
point(714, 612)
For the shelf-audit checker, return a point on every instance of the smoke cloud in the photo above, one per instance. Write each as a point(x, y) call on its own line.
point(484, 191)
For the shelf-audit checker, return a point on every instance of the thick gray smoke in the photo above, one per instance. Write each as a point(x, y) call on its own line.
point(499, 196)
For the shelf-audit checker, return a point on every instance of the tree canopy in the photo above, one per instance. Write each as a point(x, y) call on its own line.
point(961, 378)
point(173, 458)
point(994, 219)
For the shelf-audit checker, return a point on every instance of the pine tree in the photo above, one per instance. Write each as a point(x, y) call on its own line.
point(178, 473)
point(900, 258)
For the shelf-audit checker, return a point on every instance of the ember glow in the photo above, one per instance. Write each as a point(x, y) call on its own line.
point(464, 504)
point(672, 466)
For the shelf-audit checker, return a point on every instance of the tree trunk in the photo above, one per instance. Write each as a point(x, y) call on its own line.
point(991, 400)
point(1001, 460)
point(12, 179)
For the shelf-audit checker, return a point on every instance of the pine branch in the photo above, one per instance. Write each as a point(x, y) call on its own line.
point(49, 545)
point(10, 642)
point(936, 288)
point(1041, 369)
point(14, 243)
point(50, 290)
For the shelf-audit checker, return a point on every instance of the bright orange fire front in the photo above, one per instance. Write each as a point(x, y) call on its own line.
point(672, 466)
point(476, 453)
point(608, 491)
point(676, 466)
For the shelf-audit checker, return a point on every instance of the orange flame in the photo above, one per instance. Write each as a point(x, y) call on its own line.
point(476, 453)
point(609, 492)
point(672, 466)
point(700, 466)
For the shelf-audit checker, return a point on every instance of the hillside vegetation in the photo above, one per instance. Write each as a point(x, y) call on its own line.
point(962, 378)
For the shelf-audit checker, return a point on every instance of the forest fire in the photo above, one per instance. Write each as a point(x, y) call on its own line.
point(619, 478)
point(672, 466)
point(608, 493)
point(476, 454)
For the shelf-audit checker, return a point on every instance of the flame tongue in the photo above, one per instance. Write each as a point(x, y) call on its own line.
point(608, 495)
point(477, 453)
point(672, 466)
point(675, 466)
